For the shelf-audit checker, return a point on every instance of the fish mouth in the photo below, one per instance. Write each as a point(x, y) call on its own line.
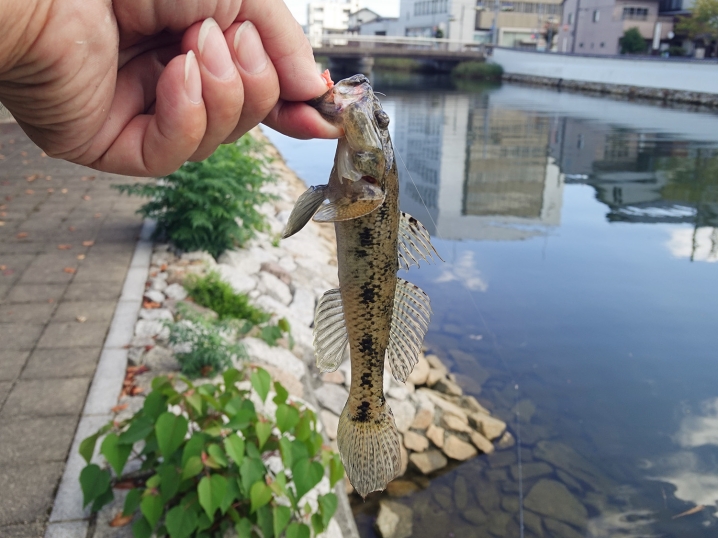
point(345, 93)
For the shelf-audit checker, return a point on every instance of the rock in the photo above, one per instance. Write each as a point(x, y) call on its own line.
point(395, 520)
point(155, 296)
point(424, 417)
point(447, 386)
point(490, 427)
point(567, 479)
point(434, 377)
point(429, 461)
point(414, 441)
point(533, 523)
point(566, 458)
point(401, 488)
point(398, 393)
point(461, 493)
point(331, 423)
point(510, 504)
point(240, 281)
point(336, 377)
point(497, 475)
point(481, 442)
point(552, 499)
point(467, 364)
point(472, 404)
point(457, 449)
point(277, 270)
point(525, 409)
point(452, 422)
point(443, 404)
point(176, 292)
point(287, 380)
point(303, 305)
point(157, 314)
point(404, 460)
point(275, 288)
point(531, 470)
point(332, 397)
point(158, 284)
point(404, 413)
point(560, 530)
point(475, 516)
point(420, 373)
point(160, 359)
point(241, 259)
point(442, 496)
point(435, 363)
point(498, 522)
point(467, 383)
point(194, 308)
point(507, 441)
point(148, 328)
point(287, 263)
point(436, 435)
point(488, 495)
point(278, 357)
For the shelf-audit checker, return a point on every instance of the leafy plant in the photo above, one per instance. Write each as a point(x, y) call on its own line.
point(198, 206)
point(478, 71)
point(702, 23)
point(632, 42)
point(211, 291)
point(210, 462)
point(200, 344)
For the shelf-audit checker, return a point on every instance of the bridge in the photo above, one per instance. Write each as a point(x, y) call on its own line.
point(338, 47)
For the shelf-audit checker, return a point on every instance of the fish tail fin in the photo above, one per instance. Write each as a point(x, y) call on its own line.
point(370, 450)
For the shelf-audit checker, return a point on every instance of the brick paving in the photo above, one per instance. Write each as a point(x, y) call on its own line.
point(66, 241)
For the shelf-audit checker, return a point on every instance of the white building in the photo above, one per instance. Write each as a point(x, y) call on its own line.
point(328, 17)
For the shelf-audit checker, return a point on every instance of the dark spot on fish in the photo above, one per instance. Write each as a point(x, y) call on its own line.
point(413, 221)
point(366, 344)
point(365, 237)
point(367, 294)
point(366, 380)
point(362, 412)
point(361, 253)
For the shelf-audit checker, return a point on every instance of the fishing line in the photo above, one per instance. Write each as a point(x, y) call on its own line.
point(495, 343)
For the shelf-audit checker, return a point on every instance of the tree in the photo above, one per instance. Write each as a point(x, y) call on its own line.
point(632, 42)
point(702, 22)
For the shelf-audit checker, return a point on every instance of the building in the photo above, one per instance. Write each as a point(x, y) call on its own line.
point(596, 26)
point(328, 17)
point(526, 24)
point(359, 17)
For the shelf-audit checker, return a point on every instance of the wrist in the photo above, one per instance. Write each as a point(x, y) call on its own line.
point(21, 22)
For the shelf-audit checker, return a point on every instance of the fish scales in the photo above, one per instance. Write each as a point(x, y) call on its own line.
point(374, 316)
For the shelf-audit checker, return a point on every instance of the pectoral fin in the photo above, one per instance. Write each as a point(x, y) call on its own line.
point(331, 341)
point(307, 204)
point(414, 242)
point(351, 199)
point(409, 323)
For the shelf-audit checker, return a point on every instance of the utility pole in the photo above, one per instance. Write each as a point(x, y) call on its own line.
point(575, 26)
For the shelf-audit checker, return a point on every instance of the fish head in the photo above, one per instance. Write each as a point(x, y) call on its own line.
point(364, 155)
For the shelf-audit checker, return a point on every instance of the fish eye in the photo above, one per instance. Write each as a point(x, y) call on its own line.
point(382, 118)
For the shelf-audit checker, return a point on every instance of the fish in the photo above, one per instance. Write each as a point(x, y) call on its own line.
point(374, 316)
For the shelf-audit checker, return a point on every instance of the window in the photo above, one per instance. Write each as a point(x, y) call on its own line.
point(635, 13)
point(596, 15)
point(602, 44)
point(580, 45)
point(570, 18)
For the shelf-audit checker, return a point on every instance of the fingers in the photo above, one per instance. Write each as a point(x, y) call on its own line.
point(299, 120)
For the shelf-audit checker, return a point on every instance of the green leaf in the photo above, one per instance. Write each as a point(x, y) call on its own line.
point(317, 525)
point(155, 404)
point(283, 325)
point(336, 470)
point(192, 467)
point(285, 449)
point(304, 427)
point(282, 393)
point(251, 471)
point(193, 447)
point(265, 522)
point(87, 446)
point(152, 507)
point(315, 443)
point(261, 381)
point(105, 498)
point(211, 490)
point(244, 528)
point(231, 376)
point(142, 529)
point(306, 474)
point(234, 445)
point(287, 417)
point(170, 430)
point(138, 430)
point(169, 481)
point(298, 530)
point(216, 452)
point(260, 494)
point(264, 430)
point(132, 501)
point(230, 496)
point(115, 453)
point(327, 507)
point(181, 522)
point(281, 516)
point(94, 482)
point(196, 401)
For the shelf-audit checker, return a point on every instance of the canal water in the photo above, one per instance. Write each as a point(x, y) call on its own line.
point(578, 302)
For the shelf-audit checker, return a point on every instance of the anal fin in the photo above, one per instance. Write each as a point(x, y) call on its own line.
point(409, 323)
point(307, 204)
point(414, 242)
point(331, 341)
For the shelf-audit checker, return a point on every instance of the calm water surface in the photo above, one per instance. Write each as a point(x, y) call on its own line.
point(578, 301)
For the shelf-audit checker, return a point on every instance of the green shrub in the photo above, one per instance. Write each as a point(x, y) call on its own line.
point(632, 42)
point(676, 51)
point(203, 469)
point(197, 206)
point(211, 291)
point(478, 71)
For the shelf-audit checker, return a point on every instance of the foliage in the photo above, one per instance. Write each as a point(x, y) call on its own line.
point(197, 207)
point(211, 291)
point(478, 71)
point(676, 51)
point(702, 22)
point(632, 42)
point(204, 453)
point(201, 344)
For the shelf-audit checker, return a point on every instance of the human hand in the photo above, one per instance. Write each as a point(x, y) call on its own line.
point(140, 86)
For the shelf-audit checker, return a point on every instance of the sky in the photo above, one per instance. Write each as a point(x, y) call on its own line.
point(385, 8)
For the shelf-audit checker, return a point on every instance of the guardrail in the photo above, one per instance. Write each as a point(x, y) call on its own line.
point(395, 42)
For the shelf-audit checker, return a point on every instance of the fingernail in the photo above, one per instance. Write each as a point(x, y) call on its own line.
point(249, 49)
point(192, 80)
point(213, 49)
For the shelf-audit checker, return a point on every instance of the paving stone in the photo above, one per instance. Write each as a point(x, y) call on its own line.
point(49, 268)
point(88, 334)
point(102, 270)
point(19, 335)
point(31, 530)
point(35, 293)
point(95, 311)
point(61, 362)
point(36, 439)
point(46, 397)
point(97, 291)
point(26, 491)
point(11, 363)
point(5, 387)
point(36, 313)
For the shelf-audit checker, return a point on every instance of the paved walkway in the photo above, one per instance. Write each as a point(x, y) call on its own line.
point(66, 240)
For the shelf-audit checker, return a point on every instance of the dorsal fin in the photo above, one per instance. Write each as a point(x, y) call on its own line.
point(409, 323)
point(331, 342)
point(414, 242)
